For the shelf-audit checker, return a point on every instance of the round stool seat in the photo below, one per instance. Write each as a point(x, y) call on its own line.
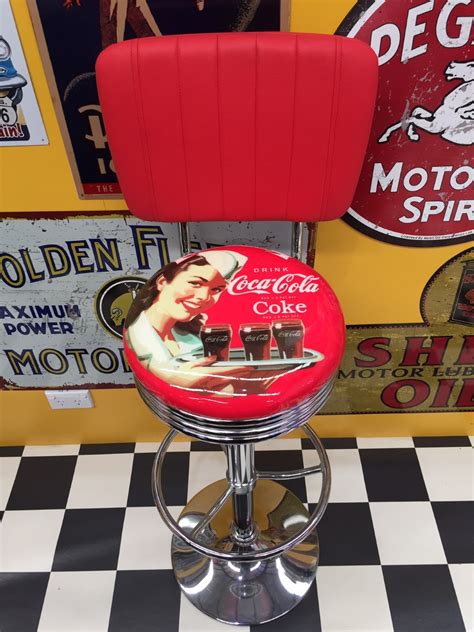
point(234, 334)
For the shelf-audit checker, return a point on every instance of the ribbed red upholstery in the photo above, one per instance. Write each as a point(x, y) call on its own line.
point(238, 126)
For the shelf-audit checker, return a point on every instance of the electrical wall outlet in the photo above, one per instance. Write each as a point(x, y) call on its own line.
point(69, 399)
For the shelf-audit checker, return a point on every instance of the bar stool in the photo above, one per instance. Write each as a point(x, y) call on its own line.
point(235, 345)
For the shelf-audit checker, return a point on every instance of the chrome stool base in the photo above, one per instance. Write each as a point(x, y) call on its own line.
point(245, 549)
point(246, 593)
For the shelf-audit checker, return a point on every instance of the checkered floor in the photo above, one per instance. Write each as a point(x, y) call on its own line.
point(83, 548)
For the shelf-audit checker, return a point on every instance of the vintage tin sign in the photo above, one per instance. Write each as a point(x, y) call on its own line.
point(20, 117)
point(416, 186)
point(71, 34)
point(415, 367)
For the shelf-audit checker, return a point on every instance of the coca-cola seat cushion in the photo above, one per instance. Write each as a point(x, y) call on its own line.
point(234, 333)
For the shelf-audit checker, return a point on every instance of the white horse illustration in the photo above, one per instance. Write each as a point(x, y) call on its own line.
point(453, 120)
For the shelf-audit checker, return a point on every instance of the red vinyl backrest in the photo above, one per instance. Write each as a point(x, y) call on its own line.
point(238, 126)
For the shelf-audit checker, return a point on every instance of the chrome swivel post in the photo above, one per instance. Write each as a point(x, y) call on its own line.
point(242, 477)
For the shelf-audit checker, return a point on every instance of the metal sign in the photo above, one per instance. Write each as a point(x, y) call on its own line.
point(417, 182)
point(419, 367)
point(20, 117)
point(71, 34)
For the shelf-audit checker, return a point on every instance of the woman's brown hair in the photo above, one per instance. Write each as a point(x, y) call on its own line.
point(149, 293)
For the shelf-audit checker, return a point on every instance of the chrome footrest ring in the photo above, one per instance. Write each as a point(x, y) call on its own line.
point(241, 556)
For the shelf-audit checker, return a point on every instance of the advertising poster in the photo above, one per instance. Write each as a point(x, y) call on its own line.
point(416, 187)
point(20, 117)
point(72, 33)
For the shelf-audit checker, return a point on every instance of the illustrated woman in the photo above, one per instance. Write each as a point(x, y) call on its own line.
point(165, 319)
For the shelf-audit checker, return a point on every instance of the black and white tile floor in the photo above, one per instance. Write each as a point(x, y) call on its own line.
point(83, 548)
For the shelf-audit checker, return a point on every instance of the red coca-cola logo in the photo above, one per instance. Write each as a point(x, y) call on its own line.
point(287, 283)
point(417, 182)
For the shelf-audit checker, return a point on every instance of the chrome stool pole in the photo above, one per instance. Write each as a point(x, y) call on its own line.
point(297, 240)
point(242, 479)
point(184, 238)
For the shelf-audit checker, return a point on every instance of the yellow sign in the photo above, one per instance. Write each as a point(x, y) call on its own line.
point(426, 367)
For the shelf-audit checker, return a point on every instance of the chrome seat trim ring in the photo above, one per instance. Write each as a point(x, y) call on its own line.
point(221, 431)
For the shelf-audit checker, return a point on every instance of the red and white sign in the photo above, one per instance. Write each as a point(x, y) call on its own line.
point(416, 187)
